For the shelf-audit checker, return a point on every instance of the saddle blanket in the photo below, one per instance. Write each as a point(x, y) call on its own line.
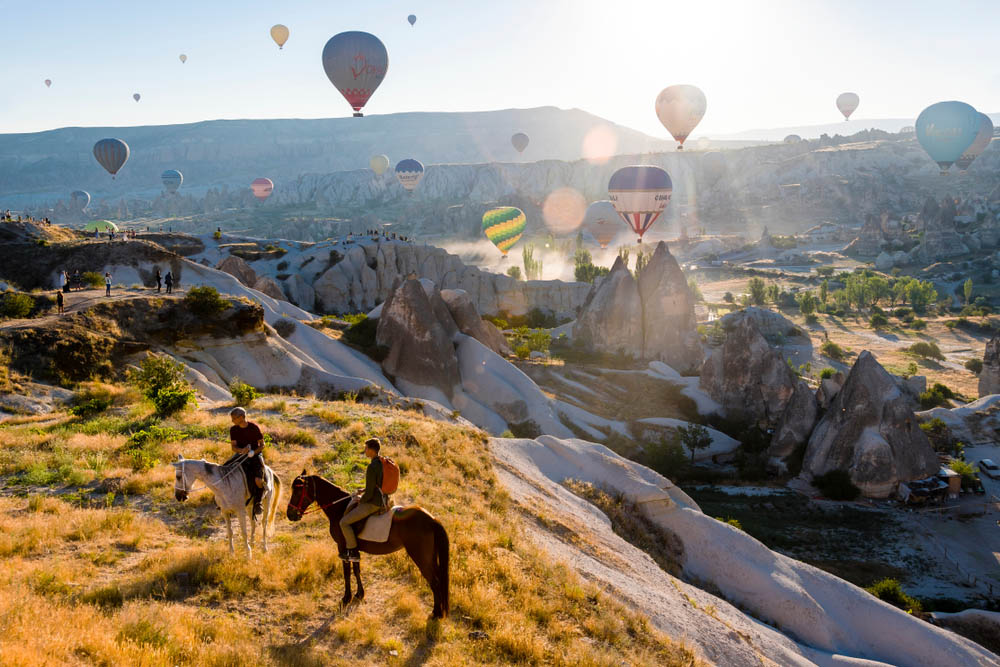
point(377, 526)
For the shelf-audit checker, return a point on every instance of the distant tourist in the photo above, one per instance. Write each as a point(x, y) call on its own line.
point(159, 279)
point(169, 280)
point(59, 301)
point(77, 280)
point(107, 284)
point(62, 280)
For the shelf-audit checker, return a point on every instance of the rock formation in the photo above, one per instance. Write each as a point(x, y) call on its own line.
point(869, 241)
point(269, 286)
point(652, 318)
point(989, 377)
point(828, 389)
point(469, 322)
point(754, 384)
point(299, 292)
point(941, 239)
point(871, 432)
point(239, 269)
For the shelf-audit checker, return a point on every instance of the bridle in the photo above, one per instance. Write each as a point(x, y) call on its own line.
point(234, 467)
point(309, 483)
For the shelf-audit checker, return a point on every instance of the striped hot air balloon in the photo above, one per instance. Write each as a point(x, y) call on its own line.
point(172, 180)
point(639, 194)
point(602, 221)
point(112, 154)
point(355, 62)
point(409, 172)
point(262, 188)
point(504, 227)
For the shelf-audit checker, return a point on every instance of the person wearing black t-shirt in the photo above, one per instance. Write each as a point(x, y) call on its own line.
point(246, 438)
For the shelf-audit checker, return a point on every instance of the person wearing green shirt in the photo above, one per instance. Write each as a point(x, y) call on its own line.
point(372, 501)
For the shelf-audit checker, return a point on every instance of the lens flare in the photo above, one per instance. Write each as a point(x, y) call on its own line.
point(599, 144)
point(563, 211)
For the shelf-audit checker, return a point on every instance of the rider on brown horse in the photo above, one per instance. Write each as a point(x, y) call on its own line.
point(372, 501)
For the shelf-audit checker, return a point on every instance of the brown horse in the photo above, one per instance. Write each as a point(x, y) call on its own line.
point(413, 529)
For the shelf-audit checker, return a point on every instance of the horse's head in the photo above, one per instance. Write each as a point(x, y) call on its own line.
point(303, 495)
point(181, 485)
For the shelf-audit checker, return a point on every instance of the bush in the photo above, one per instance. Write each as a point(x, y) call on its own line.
point(172, 400)
point(666, 457)
point(514, 272)
point(937, 432)
point(975, 365)
point(837, 485)
point(16, 305)
point(832, 350)
point(161, 380)
point(927, 350)
point(205, 301)
point(216, 235)
point(951, 324)
point(936, 396)
point(282, 265)
point(143, 448)
point(89, 402)
point(827, 373)
point(889, 590)
point(243, 393)
point(361, 334)
point(878, 320)
point(285, 327)
point(523, 352)
point(92, 279)
point(918, 324)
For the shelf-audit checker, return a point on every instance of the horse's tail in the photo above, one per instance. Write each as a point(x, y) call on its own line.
point(441, 565)
point(276, 500)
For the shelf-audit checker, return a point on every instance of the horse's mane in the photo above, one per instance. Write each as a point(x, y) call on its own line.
point(327, 482)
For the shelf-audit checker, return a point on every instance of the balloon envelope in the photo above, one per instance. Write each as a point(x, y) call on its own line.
point(519, 141)
point(48, 82)
point(172, 180)
point(103, 225)
point(412, 19)
point(504, 226)
point(136, 96)
point(183, 58)
point(112, 154)
point(793, 139)
point(79, 199)
point(946, 130)
point(639, 194)
point(409, 172)
point(379, 164)
point(355, 62)
point(602, 221)
point(680, 108)
point(847, 103)
point(979, 144)
point(279, 34)
point(262, 188)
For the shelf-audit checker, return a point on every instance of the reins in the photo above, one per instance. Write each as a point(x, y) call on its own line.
point(312, 499)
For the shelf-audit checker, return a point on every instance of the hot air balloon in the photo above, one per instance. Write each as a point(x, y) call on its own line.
point(602, 221)
point(793, 139)
point(183, 58)
point(680, 109)
point(847, 103)
point(48, 83)
point(136, 96)
point(379, 163)
point(355, 62)
point(103, 225)
point(279, 34)
point(639, 194)
point(172, 180)
point(409, 172)
point(112, 154)
point(519, 141)
point(503, 226)
point(979, 144)
point(262, 188)
point(79, 199)
point(412, 18)
point(946, 130)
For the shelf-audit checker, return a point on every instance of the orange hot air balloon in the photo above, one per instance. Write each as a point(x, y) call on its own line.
point(680, 108)
point(262, 188)
point(279, 34)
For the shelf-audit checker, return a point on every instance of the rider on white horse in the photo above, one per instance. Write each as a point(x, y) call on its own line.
point(247, 441)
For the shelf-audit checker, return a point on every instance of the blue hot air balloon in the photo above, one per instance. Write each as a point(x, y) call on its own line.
point(172, 180)
point(79, 199)
point(946, 129)
point(639, 194)
point(412, 18)
point(355, 62)
point(409, 172)
point(112, 154)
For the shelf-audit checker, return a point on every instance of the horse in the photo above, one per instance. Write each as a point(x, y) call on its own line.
point(231, 495)
point(413, 529)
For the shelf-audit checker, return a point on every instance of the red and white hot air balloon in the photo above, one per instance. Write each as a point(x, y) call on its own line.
point(847, 103)
point(680, 108)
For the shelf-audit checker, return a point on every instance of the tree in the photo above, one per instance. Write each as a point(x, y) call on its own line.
point(728, 297)
point(623, 252)
point(641, 260)
point(807, 303)
point(695, 437)
point(695, 290)
point(824, 288)
point(757, 291)
point(773, 293)
point(921, 294)
point(967, 290)
point(532, 267)
point(585, 271)
point(514, 272)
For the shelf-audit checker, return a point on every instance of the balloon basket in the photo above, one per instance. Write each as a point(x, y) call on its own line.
point(358, 114)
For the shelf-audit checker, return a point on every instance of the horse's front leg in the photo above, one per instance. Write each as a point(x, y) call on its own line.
point(347, 584)
point(229, 532)
point(360, 595)
point(268, 516)
point(243, 531)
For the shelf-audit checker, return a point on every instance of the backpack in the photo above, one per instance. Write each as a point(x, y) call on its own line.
point(390, 475)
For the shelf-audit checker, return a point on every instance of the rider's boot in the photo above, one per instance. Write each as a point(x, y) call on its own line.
point(354, 555)
point(258, 496)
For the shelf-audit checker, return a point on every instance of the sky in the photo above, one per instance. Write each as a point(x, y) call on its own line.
point(761, 63)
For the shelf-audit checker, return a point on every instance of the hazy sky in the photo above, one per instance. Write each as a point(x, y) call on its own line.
point(761, 63)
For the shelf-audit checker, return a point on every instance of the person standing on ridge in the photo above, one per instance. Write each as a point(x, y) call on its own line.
point(246, 439)
point(159, 279)
point(169, 280)
point(372, 501)
point(59, 301)
point(107, 284)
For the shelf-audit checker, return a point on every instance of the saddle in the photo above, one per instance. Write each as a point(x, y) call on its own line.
point(375, 527)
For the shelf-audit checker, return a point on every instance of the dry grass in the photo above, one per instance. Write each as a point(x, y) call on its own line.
point(150, 581)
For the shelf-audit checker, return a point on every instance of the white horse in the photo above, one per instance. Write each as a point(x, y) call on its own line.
point(229, 485)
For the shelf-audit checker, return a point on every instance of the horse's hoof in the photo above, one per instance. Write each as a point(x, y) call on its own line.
point(344, 601)
point(359, 598)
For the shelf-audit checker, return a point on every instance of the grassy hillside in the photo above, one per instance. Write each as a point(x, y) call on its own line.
point(100, 565)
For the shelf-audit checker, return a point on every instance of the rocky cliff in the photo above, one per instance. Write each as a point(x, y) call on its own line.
point(989, 377)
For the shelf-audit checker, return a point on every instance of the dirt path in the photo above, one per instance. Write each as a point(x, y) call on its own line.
point(80, 300)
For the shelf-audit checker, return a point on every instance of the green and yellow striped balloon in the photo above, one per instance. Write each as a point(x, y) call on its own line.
point(503, 226)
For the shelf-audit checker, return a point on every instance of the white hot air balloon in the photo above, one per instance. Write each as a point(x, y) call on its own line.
point(847, 103)
point(680, 108)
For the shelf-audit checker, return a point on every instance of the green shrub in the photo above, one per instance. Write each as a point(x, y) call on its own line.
point(16, 305)
point(966, 470)
point(918, 324)
point(523, 352)
point(161, 380)
point(936, 396)
point(282, 265)
point(243, 393)
point(666, 457)
point(937, 432)
point(889, 590)
point(216, 235)
point(837, 485)
point(362, 335)
point(878, 320)
point(926, 349)
point(514, 272)
point(975, 365)
point(951, 324)
point(92, 279)
point(827, 373)
point(144, 449)
point(172, 400)
point(205, 301)
point(832, 350)
point(354, 318)
point(90, 402)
